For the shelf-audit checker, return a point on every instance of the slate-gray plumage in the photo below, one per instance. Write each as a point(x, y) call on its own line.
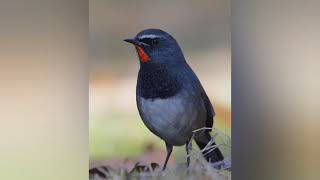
point(170, 98)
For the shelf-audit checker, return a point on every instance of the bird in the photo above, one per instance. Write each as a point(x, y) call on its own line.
point(170, 99)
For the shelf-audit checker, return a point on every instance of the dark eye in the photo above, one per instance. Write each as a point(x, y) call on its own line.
point(155, 41)
point(150, 41)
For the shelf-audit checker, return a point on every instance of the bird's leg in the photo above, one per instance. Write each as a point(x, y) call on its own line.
point(188, 149)
point(169, 151)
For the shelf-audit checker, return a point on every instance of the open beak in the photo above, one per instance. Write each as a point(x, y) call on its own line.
point(136, 42)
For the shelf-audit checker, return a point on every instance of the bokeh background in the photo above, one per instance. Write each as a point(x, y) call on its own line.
point(202, 28)
point(44, 88)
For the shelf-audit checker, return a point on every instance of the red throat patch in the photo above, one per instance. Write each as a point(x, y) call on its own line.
point(143, 56)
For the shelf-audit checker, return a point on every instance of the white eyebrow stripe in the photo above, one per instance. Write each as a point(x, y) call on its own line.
point(148, 36)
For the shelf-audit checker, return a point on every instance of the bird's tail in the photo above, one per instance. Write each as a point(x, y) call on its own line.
point(211, 155)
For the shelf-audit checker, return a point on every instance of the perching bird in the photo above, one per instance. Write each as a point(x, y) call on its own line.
point(170, 98)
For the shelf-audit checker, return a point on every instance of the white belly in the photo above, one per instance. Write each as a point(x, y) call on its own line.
point(173, 119)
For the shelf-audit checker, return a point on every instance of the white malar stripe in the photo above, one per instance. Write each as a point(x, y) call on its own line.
point(148, 36)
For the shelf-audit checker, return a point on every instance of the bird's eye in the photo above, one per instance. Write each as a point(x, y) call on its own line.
point(155, 41)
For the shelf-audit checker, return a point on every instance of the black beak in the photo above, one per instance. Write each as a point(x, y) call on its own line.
point(136, 42)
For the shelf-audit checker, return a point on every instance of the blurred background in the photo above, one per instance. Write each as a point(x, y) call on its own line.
point(44, 83)
point(202, 28)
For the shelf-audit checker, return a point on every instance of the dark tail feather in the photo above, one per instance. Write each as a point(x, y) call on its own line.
point(213, 156)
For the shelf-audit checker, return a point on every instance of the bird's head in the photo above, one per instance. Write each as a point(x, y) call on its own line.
point(156, 46)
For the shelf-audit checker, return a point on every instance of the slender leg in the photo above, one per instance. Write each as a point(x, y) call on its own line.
point(169, 151)
point(188, 149)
